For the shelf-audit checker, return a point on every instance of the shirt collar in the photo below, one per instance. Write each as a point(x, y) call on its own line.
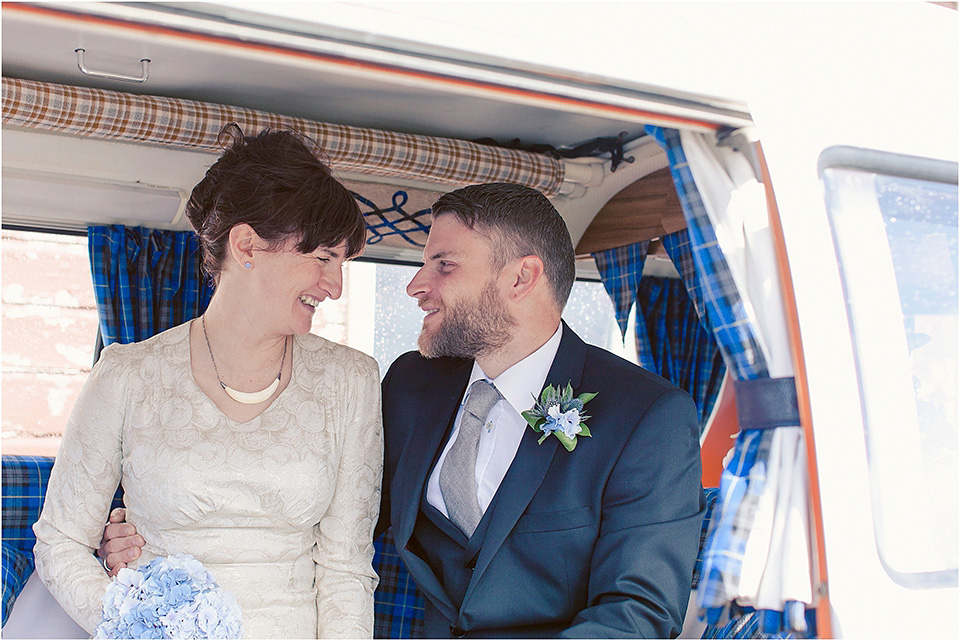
point(520, 384)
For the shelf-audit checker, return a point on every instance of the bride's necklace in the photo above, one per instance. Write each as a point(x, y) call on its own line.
point(247, 398)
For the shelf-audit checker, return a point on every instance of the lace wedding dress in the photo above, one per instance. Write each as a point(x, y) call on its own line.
point(280, 509)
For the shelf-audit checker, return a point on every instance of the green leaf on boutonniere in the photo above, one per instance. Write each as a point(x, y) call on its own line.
point(531, 418)
point(559, 413)
point(566, 441)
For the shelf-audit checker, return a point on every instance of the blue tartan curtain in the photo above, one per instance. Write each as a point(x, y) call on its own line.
point(669, 336)
point(680, 349)
point(621, 269)
point(743, 478)
point(145, 280)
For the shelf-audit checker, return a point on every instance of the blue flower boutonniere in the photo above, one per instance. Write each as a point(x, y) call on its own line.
point(559, 413)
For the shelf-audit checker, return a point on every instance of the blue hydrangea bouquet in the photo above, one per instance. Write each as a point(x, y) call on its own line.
point(172, 597)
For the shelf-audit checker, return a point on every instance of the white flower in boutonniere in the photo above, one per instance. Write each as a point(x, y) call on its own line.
point(559, 413)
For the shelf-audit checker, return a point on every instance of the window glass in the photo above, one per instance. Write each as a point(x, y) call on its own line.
point(385, 322)
point(896, 238)
point(49, 335)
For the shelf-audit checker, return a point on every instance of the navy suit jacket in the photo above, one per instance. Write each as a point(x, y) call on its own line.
point(597, 542)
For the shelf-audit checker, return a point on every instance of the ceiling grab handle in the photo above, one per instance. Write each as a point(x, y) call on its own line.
point(144, 62)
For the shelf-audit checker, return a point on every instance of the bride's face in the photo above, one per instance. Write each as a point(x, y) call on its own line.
point(291, 285)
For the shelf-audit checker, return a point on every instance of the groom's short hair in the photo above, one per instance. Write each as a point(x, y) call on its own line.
point(519, 221)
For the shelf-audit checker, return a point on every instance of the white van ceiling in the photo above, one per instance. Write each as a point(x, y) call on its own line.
point(324, 72)
point(297, 68)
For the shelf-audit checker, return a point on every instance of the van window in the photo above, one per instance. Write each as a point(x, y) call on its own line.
point(50, 327)
point(589, 312)
point(895, 225)
point(49, 335)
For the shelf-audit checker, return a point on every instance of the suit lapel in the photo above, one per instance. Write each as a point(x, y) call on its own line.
point(532, 461)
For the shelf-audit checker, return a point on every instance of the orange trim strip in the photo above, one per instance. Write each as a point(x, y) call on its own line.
point(824, 623)
point(548, 98)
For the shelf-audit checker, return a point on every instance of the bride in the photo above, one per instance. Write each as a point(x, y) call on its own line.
point(239, 437)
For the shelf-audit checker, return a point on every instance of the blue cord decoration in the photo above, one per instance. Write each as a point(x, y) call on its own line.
point(390, 221)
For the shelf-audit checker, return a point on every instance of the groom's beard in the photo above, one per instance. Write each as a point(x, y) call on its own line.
point(470, 328)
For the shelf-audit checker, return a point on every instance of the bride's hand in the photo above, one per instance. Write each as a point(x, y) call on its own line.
point(120, 543)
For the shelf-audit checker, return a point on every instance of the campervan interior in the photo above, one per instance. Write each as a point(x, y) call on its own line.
point(618, 112)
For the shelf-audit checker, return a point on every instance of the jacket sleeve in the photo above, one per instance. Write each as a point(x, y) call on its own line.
point(345, 578)
point(401, 374)
point(82, 484)
point(642, 563)
point(383, 522)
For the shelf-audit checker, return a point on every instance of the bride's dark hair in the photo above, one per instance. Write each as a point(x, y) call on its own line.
point(277, 185)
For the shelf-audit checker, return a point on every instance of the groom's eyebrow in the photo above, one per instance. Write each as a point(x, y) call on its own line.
point(443, 253)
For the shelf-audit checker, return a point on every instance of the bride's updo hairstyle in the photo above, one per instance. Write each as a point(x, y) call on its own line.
point(277, 185)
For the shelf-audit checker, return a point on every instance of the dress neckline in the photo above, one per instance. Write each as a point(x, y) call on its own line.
point(294, 362)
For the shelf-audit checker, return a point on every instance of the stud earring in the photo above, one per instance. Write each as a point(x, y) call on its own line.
point(248, 265)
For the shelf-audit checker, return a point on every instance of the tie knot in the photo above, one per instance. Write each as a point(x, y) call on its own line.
point(483, 396)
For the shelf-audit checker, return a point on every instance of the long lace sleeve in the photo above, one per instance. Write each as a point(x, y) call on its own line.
point(82, 484)
point(345, 579)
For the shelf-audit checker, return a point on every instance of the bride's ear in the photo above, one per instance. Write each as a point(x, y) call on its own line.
point(241, 245)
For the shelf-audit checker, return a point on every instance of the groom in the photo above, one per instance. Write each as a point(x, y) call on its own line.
point(506, 531)
point(532, 540)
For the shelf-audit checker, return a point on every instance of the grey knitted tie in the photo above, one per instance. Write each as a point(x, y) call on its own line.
point(458, 479)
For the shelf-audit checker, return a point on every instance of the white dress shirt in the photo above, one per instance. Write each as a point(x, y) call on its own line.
point(519, 385)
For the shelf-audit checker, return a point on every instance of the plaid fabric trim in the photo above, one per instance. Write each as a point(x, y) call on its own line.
point(15, 568)
point(731, 327)
point(621, 269)
point(397, 604)
point(145, 280)
point(195, 125)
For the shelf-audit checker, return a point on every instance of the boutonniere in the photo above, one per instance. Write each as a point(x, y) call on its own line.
point(559, 413)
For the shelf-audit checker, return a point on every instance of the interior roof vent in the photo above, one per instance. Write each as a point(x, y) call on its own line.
point(70, 201)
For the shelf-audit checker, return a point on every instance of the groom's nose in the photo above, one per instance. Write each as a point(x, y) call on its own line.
point(418, 284)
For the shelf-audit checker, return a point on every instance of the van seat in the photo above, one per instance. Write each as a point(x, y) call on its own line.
point(24, 485)
point(398, 605)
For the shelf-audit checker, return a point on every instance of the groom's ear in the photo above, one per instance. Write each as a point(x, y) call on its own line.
point(526, 276)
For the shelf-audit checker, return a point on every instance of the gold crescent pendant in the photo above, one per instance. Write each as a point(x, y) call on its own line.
point(251, 398)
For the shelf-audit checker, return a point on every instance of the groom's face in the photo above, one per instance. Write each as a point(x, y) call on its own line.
point(460, 293)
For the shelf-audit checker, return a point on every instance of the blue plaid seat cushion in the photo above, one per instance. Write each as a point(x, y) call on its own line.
point(397, 603)
point(24, 486)
point(24, 483)
point(16, 569)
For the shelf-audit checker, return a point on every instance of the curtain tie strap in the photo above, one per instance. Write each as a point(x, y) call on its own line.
point(767, 402)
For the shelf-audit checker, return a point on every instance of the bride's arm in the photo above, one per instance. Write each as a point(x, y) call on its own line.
point(345, 578)
point(82, 484)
